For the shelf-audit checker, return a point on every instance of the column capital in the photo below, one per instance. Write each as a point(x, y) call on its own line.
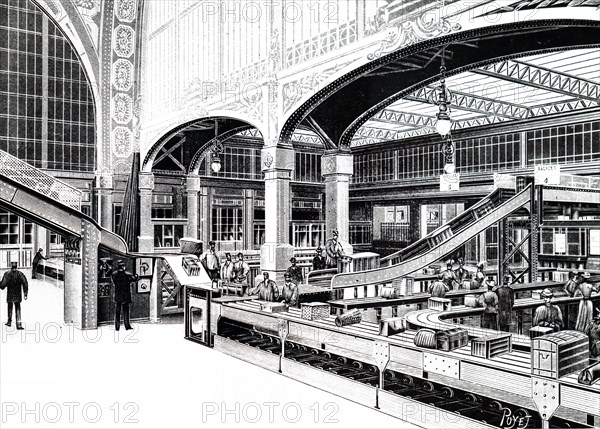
point(193, 184)
point(146, 181)
point(337, 163)
point(277, 158)
point(104, 181)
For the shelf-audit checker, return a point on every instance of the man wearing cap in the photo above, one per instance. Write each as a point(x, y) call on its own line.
point(266, 290)
point(295, 271)
point(14, 280)
point(36, 260)
point(333, 250)
point(318, 262)
point(489, 302)
point(548, 315)
point(586, 307)
point(449, 276)
point(506, 300)
point(122, 281)
point(438, 288)
point(210, 261)
point(290, 292)
point(240, 269)
point(227, 268)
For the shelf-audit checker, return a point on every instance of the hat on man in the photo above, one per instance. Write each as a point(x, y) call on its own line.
point(240, 254)
point(319, 249)
point(586, 275)
point(547, 293)
point(40, 250)
point(211, 243)
point(14, 264)
point(335, 232)
point(293, 260)
point(449, 262)
point(481, 264)
point(491, 283)
point(287, 275)
point(120, 263)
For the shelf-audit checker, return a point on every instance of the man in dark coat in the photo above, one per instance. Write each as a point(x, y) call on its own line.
point(36, 260)
point(14, 280)
point(319, 262)
point(489, 302)
point(295, 271)
point(122, 281)
point(506, 300)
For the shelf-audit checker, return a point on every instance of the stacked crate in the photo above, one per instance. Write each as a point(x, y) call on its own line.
point(491, 346)
point(190, 265)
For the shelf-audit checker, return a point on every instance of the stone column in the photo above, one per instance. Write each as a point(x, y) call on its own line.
point(277, 165)
point(248, 219)
point(193, 187)
point(146, 238)
point(337, 167)
point(104, 198)
point(204, 214)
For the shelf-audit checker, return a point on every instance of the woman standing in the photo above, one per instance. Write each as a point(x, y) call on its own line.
point(586, 308)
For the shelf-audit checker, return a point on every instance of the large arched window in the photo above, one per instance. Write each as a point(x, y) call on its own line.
point(46, 105)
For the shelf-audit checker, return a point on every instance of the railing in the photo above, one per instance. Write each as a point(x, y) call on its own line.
point(579, 182)
point(395, 232)
point(326, 42)
point(38, 181)
point(361, 233)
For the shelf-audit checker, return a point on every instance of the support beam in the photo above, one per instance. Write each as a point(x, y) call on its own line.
point(542, 78)
point(193, 187)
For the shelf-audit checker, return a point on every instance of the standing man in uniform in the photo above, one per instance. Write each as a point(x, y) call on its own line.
point(318, 262)
point(14, 280)
point(506, 300)
point(227, 268)
point(489, 302)
point(211, 262)
point(480, 275)
point(36, 260)
point(295, 271)
point(461, 273)
point(122, 281)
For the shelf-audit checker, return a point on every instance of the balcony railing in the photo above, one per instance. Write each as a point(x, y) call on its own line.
point(38, 181)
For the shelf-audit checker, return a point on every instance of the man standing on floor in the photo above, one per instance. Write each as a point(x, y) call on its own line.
point(36, 260)
point(489, 302)
point(449, 276)
point(506, 300)
point(122, 281)
point(334, 250)
point(14, 280)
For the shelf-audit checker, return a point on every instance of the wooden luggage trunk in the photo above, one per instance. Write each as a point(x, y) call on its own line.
point(452, 339)
point(558, 354)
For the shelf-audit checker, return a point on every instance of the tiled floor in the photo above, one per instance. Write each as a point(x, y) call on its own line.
point(55, 376)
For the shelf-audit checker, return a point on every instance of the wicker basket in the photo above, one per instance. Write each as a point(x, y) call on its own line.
point(315, 310)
